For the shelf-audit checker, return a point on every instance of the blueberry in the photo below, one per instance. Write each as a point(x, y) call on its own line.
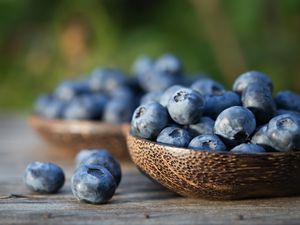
point(174, 136)
point(235, 125)
point(86, 107)
point(284, 111)
point(123, 93)
point(204, 126)
point(260, 138)
point(142, 65)
point(288, 100)
point(49, 107)
point(260, 101)
point(207, 86)
point(167, 94)
point(215, 104)
point(150, 97)
point(186, 106)
point(148, 120)
point(69, 89)
point(169, 64)
point(86, 153)
point(284, 133)
point(251, 77)
point(207, 142)
point(93, 184)
point(105, 159)
point(106, 79)
point(118, 111)
point(44, 177)
point(248, 149)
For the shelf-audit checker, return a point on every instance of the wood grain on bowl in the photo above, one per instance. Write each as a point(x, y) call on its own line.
point(75, 135)
point(220, 176)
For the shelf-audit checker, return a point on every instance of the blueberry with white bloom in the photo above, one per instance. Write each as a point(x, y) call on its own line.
point(207, 86)
point(174, 136)
point(248, 149)
point(288, 100)
point(93, 184)
point(207, 142)
point(167, 94)
point(44, 177)
point(204, 126)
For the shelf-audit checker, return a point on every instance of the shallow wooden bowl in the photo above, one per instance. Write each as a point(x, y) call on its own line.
point(75, 135)
point(220, 176)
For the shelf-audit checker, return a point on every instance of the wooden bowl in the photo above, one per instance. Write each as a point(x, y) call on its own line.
point(219, 176)
point(77, 135)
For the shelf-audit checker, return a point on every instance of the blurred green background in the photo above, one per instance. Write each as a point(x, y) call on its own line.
point(43, 42)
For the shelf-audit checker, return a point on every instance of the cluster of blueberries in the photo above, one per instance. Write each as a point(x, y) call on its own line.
point(108, 94)
point(205, 116)
point(95, 179)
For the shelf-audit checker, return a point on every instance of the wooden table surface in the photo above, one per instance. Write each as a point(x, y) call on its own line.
point(137, 200)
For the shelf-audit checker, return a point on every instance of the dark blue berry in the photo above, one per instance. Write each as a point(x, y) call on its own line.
point(174, 136)
point(150, 97)
point(288, 100)
point(204, 126)
point(169, 64)
point(248, 149)
point(207, 142)
point(207, 86)
point(118, 111)
point(67, 90)
point(167, 94)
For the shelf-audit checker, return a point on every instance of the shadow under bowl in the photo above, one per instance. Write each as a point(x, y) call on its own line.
point(76, 134)
point(217, 175)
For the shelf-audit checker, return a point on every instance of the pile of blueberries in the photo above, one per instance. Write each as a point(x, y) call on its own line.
point(108, 94)
point(95, 179)
point(204, 116)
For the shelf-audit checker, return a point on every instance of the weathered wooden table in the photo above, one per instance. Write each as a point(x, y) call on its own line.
point(137, 200)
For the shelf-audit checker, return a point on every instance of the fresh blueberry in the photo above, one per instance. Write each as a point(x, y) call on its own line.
point(284, 111)
point(69, 89)
point(260, 101)
point(169, 64)
point(42, 102)
point(167, 94)
point(235, 125)
point(174, 136)
point(123, 93)
point(260, 137)
point(86, 153)
point(142, 65)
point(148, 120)
point(207, 142)
point(44, 177)
point(150, 97)
point(247, 149)
point(288, 100)
point(106, 79)
point(105, 159)
point(186, 106)
point(207, 86)
point(93, 184)
point(252, 77)
point(284, 133)
point(49, 107)
point(204, 126)
point(215, 104)
point(86, 107)
point(118, 111)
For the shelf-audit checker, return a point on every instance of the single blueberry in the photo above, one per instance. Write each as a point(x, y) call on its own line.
point(169, 64)
point(207, 142)
point(284, 111)
point(86, 153)
point(284, 133)
point(252, 77)
point(49, 107)
point(174, 136)
point(67, 90)
point(118, 111)
point(259, 100)
point(148, 120)
point(260, 138)
point(167, 94)
point(215, 104)
point(248, 149)
point(150, 97)
point(142, 65)
point(106, 79)
point(44, 177)
point(186, 106)
point(207, 86)
point(93, 184)
point(235, 125)
point(204, 126)
point(288, 100)
point(105, 159)
point(86, 107)
point(123, 93)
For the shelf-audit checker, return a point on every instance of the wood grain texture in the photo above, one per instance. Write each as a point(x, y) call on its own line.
point(137, 201)
point(217, 175)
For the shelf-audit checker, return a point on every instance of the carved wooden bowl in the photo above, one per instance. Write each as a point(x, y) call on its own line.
point(76, 134)
point(219, 176)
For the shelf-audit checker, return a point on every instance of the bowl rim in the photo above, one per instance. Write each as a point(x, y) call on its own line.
point(225, 153)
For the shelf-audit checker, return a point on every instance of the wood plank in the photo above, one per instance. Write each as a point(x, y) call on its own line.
point(137, 200)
